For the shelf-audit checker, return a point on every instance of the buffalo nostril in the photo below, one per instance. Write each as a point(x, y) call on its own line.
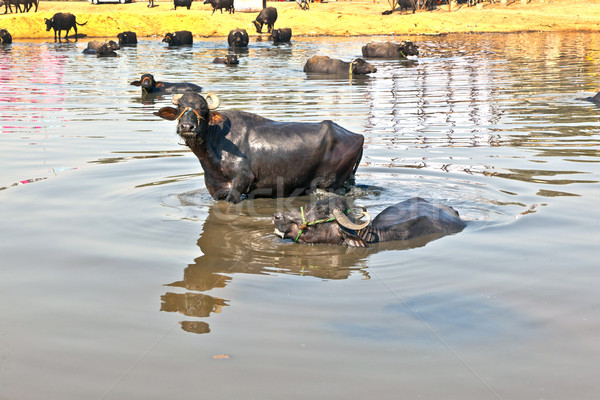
point(186, 127)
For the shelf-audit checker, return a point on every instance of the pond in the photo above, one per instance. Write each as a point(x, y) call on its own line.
point(122, 278)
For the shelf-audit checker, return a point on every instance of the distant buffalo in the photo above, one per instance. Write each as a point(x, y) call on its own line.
point(283, 35)
point(149, 85)
point(102, 49)
point(26, 4)
point(62, 22)
point(220, 5)
point(238, 38)
point(390, 49)
point(127, 38)
point(5, 36)
point(179, 38)
point(182, 3)
point(326, 65)
point(267, 16)
point(230, 59)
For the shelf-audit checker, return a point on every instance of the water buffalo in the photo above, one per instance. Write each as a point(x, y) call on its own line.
point(182, 3)
point(26, 4)
point(329, 221)
point(326, 65)
point(283, 35)
point(230, 59)
point(5, 37)
point(179, 38)
point(149, 85)
point(238, 38)
point(220, 5)
point(62, 22)
point(95, 46)
point(390, 49)
point(127, 38)
point(267, 16)
point(244, 154)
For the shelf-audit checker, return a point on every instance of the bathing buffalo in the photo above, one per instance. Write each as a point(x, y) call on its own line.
point(220, 5)
point(244, 154)
point(238, 38)
point(267, 16)
point(149, 85)
point(230, 59)
point(283, 35)
point(329, 221)
point(179, 38)
point(62, 22)
point(390, 49)
point(95, 46)
point(5, 36)
point(127, 38)
point(326, 65)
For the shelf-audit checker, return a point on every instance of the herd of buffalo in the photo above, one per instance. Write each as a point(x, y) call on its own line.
point(246, 156)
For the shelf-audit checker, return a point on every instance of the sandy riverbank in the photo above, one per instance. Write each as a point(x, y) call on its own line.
point(347, 18)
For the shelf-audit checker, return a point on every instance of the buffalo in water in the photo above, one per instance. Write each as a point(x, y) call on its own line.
point(244, 154)
point(267, 16)
point(390, 49)
point(62, 22)
point(149, 85)
point(102, 49)
point(283, 35)
point(238, 38)
point(179, 38)
point(229, 59)
point(330, 221)
point(333, 66)
point(5, 37)
point(127, 38)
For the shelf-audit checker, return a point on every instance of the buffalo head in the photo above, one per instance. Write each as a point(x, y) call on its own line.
point(147, 83)
point(408, 48)
point(193, 113)
point(361, 67)
point(326, 221)
point(49, 23)
point(169, 38)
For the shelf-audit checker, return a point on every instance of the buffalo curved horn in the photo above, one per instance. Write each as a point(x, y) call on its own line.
point(344, 221)
point(176, 98)
point(213, 101)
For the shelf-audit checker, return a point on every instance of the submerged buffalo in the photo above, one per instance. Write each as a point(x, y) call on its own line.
point(244, 154)
point(283, 35)
point(62, 22)
point(102, 49)
point(179, 38)
point(390, 49)
point(326, 65)
point(5, 36)
point(329, 221)
point(266, 16)
point(149, 85)
point(238, 38)
point(127, 38)
point(229, 59)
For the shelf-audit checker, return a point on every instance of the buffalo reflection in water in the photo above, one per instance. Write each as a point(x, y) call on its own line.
point(240, 239)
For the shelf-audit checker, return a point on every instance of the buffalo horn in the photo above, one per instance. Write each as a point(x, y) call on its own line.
point(176, 98)
point(344, 221)
point(213, 101)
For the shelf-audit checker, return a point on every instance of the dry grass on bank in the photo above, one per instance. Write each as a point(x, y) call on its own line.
point(347, 18)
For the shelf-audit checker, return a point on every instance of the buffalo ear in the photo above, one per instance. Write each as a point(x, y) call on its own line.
point(169, 113)
point(215, 118)
point(352, 240)
point(136, 83)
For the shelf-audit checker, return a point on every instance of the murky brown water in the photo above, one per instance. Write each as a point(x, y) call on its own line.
point(121, 278)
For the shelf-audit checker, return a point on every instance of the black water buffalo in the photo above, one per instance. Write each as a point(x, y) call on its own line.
point(5, 37)
point(329, 221)
point(390, 49)
point(62, 22)
point(283, 35)
point(127, 38)
point(230, 59)
point(238, 38)
point(182, 3)
point(179, 38)
point(594, 99)
point(326, 65)
point(267, 16)
point(95, 46)
point(244, 154)
point(149, 85)
point(26, 4)
point(220, 5)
